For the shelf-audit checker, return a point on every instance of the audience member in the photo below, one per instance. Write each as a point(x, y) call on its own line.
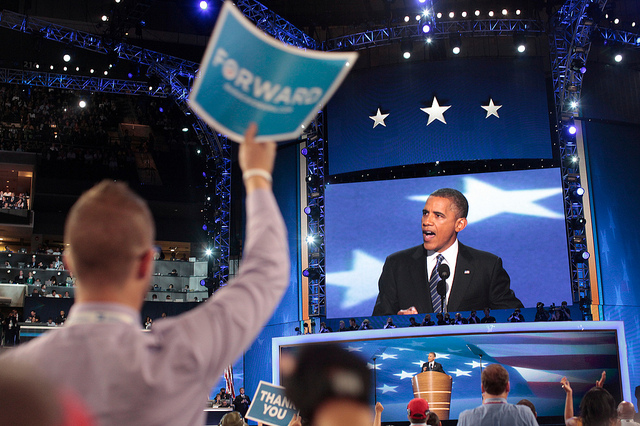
point(60, 319)
point(597, 407)
point(541, 314)
point(516, 316)
point(223, 399)
point(20, 278)
point(342, 326)
point(487, 317)
point(389, 323)
point(29, 399)
point(133, 378)
point(529, 404)
point(495, 410)
point(324, 328)
point(233, 418)
point(459, 320)
point(433, 419)
point(413, 323)
point(440, 319)
point(366, 325)
point(626, 414)
point(427, 321)
point(329, 386)
point(473, 318)
point(352, 324)
point(377, 418)
point(418, 412)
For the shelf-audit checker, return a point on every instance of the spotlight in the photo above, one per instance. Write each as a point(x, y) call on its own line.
point(418, 17)
point(477, 13)
point(208, 251)
point(618, 57)
point(92, 70)
point(491, 13)
point(407, 18)
point(572, 129)
point(581, 256)
point(505, 12)
point(104, 18)
point(520, 42)
point(518, 12)
point(106, 72)
point(456, 43)
point(578, 222)
point(204, 227)
point(311, 239)
point(185, 129)
point(571, 161)
point(463, 14)
point(452, 15)
point(406, 46)
point(313, 211)
point(426, 28)
point(309, 151)
point(82, 104)
point(439, 15)
point(422, 1)
point(616, 21)
point(429, 40)
point(312, 181)
point(204, 5)
point(573, 104)
point(66, 57)
point(311, 273)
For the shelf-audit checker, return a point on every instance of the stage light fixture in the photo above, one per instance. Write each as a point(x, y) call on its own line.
point(456, 44)
point(578, 239)
point(312, 181)
point(618, 57)
point(204, 5)
point(505, 12)
point(426, 13)
point(520, 42)
point(616, 21)
point(573, 104)
point(572, 129)
point(426, 28)
point(429, 40)
point(577, 192)
point(439, 15)
point(64, 69)
point(66, 57)
point(452, 15)
point(418, 17)
point(311, 273)
point(518, 12)
point(579, 222)
point(477, 13)
point(571, 161)
point(491, 13)
point(406, 46)
point(208, 252)
point(313, 211)
point(422, 1)
point(463, 14)
point(407, 18)
point(311, 239)
point(104, 18)
point(106, 72)
point(82, 104)
point(581, 256)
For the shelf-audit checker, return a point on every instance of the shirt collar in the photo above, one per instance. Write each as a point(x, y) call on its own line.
point(449, 254)
point(95, 312)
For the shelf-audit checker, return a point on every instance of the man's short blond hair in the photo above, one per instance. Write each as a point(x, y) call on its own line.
point(495, 379)
point(107, 230)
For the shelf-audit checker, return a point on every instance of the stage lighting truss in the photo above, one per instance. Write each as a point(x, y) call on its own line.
point(314, 153)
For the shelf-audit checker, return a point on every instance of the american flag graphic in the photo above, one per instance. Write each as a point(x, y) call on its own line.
point(228, 377)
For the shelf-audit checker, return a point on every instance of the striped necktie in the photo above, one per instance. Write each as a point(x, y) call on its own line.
point(436, 301)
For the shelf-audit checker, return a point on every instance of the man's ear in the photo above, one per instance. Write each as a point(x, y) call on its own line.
point(145, 267)
point(461, 223)
point(66, 260)
point(508, 387)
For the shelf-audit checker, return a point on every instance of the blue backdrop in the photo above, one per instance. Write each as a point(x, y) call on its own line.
point(520, 131)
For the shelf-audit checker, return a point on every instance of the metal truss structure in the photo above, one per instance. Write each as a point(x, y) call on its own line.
point(569, 48)
point(80, 83)
point(622, 37)
point(272, 23)
point(439, 30)
point(315, 154)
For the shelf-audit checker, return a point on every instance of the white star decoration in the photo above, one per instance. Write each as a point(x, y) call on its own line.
point(491, 109)
point(476, 364)
point(378, 118)
point(354, 349)
point(387, 388)
point(435, 111)
point(405, 375)
point(459, 373)
point(387, 356)
point(370, 366)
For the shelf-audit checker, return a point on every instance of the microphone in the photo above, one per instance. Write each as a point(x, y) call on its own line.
point(444, 272)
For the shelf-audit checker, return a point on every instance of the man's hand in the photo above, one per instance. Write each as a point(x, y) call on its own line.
point(254, 156)
point(410, 311)
point(566, 385)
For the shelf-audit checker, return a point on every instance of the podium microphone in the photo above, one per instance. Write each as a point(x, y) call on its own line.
point(444, 272)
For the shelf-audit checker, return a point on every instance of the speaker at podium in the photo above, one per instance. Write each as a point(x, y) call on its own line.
point(435, 387)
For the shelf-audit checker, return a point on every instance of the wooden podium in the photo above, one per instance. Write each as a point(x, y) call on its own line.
point(435, 387)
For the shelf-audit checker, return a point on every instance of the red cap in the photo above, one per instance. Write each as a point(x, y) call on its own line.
point(418, 408)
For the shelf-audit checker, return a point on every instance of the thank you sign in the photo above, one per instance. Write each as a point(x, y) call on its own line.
point(271, 406)
point(247, 76)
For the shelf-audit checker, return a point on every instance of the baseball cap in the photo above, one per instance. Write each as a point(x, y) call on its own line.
point(417, 408)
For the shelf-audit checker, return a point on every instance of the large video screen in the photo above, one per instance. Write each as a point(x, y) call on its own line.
point(536, 355)
point(490, 109)
point(516, 215)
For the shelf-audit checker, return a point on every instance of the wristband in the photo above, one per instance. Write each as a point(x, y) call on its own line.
point(257, 172)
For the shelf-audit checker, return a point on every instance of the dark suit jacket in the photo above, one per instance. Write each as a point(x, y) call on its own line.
point(480, 281)
point(436, 367)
